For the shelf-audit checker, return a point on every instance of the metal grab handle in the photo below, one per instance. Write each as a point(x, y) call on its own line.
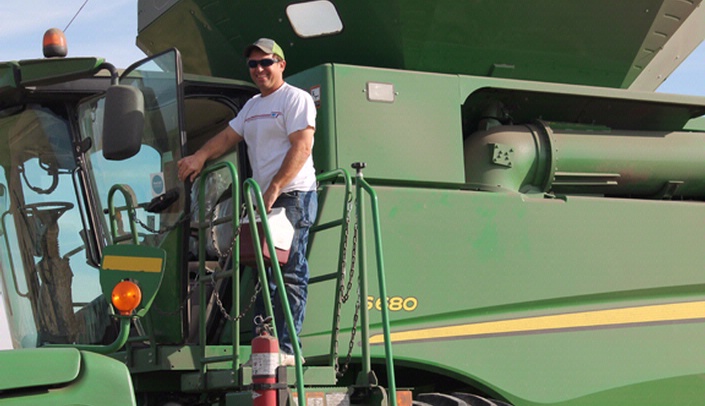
point(130, 198)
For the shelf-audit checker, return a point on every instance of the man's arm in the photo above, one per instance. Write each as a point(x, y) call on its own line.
point(301, 145)
point(191, 166)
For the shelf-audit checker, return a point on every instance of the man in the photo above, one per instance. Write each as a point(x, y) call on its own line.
point(278, 126)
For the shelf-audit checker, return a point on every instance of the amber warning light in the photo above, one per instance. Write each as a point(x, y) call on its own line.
point(126, 297)
point(54, 43)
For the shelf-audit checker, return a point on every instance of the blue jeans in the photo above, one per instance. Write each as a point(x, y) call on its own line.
point(301, 210)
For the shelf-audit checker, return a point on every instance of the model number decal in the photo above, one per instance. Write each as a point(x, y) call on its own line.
point(394, 303)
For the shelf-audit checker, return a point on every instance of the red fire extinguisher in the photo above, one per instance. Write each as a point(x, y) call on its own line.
point(265, 360)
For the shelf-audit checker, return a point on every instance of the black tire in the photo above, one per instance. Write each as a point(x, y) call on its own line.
point(469, 398)
point(442, 399)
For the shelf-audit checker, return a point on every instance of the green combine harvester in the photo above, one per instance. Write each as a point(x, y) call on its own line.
point(508, 214)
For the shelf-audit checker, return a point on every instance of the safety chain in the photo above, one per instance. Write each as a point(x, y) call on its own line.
point(229, 252)
point(258, 289)
point(162, 230)
point(218, 301)
point(182, 219)
point(351, 345)
point(345, 294)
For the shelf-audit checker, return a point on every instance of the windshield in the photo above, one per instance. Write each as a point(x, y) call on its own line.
point(47, 281)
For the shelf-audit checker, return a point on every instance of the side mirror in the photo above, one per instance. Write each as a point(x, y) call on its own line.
point(123, 123)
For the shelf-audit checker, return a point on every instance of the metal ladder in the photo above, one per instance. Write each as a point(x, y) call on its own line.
point(253, 196)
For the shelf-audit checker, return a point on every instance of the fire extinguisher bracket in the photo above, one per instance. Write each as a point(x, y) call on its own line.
point(268, 386)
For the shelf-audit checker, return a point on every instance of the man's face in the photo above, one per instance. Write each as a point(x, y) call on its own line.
point(269, 78)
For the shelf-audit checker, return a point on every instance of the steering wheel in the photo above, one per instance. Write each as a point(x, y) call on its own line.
point(53, 209)
point(44, 217)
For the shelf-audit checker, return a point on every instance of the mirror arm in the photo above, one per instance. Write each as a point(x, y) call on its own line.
point(120, 340)
point(113, 72)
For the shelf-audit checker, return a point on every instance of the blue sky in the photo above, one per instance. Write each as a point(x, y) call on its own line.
point(688, 77)
point(103, 28)
point(108, 29)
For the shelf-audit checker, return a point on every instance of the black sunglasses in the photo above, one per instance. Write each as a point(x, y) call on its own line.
point(252, 63)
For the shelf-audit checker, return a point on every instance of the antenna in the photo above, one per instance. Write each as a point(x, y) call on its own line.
point(76, 15)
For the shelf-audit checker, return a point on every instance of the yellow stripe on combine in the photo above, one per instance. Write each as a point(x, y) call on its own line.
point(132, 264)
point(591, 319)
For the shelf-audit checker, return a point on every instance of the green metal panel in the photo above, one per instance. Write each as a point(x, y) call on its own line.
point(8, 76)
point(167, 308)
point(63, 376)
point(47, 71)
point(696, 124)
point(64, 362)
point(35, 72)
point(463, 258)
point(417, 137)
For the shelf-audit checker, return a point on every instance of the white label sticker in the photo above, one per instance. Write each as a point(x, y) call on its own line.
point(265, 364)
point(157, 182)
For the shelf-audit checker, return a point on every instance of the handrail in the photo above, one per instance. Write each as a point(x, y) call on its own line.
point(278, 279)
point(9, 256)
point(130, 199)
point(363, 377)
point(235, 307)
point(332, 176)
point(344, 222)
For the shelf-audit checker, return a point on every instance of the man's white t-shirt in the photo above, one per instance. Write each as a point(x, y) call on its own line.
point(266, 123)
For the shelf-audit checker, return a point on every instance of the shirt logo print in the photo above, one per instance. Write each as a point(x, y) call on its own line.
point(274, 114)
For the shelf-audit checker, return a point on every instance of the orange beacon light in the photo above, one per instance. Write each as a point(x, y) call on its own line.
point(54, 43)
point(126, 297)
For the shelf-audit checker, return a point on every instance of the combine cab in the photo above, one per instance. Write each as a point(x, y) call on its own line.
point(508, 213)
